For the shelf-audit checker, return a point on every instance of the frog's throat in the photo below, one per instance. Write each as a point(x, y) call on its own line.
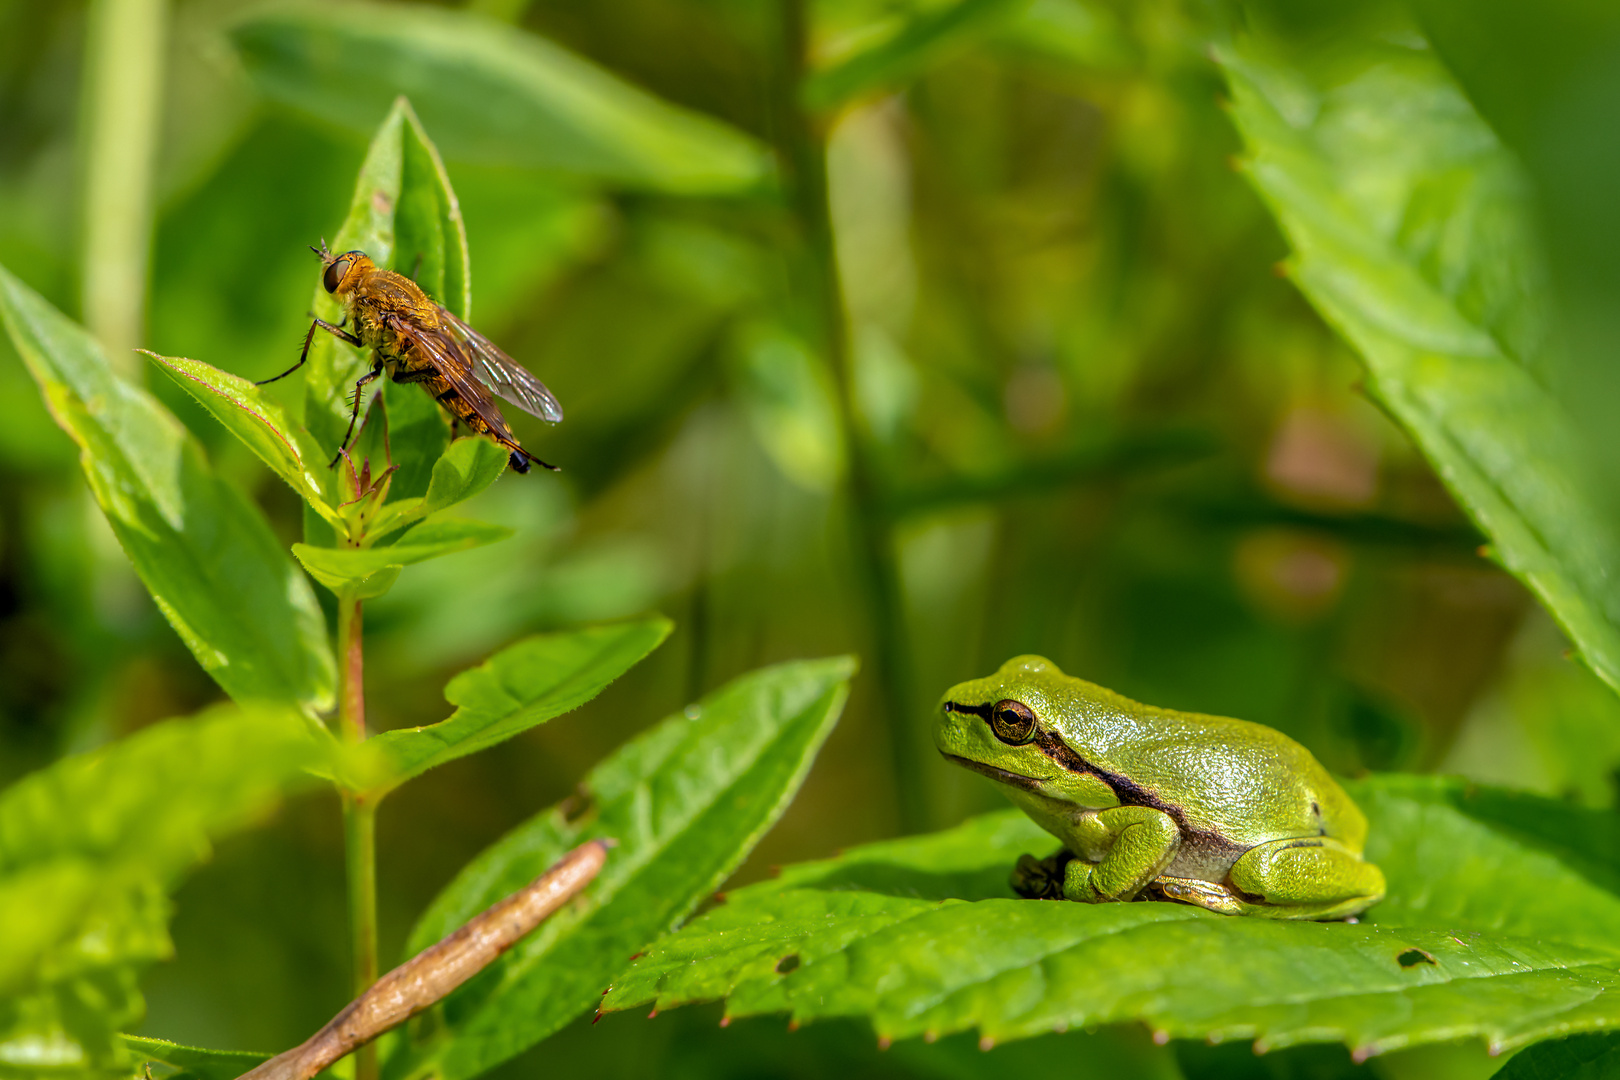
point(1018, 780)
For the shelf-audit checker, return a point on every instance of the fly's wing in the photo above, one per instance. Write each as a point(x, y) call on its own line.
point(455, 365)
point(504, 375)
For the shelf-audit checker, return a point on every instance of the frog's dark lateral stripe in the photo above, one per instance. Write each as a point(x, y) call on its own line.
point(1126, 790)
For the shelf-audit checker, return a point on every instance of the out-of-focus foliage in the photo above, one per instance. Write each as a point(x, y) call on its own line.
point(1098, 423)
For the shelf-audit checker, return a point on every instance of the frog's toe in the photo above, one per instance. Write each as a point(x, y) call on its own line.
point(1040, 879)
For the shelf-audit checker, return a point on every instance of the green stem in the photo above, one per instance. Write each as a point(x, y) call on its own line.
point(359, 821)
point(804, 143)
point(123, 94)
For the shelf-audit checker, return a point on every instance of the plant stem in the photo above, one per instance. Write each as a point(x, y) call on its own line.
point(804, 143)
point(359, 821)
point(123, 92)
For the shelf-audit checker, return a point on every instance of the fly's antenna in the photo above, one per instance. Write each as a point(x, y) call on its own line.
point(326, 256)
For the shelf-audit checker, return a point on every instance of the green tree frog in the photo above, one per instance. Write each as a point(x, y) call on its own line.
point(1153, 803)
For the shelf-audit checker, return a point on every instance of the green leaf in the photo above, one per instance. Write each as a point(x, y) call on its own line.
point(1580, 1057)
point(1492, 929)
point(523, 685)
point(686, 802)
point(930, 36)
point(495, 94)
point(258, 420)
point(203, 550)
point(194, 1062)
point(467, 468)
point(498, 96)
point(344, 568)
point(1411, 231)
point(89, 848)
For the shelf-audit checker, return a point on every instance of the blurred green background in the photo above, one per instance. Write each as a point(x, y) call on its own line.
point(1092, 419)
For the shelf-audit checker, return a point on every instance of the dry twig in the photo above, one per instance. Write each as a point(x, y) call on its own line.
point(432, 973)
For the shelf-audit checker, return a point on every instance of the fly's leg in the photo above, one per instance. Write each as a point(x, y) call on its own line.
point(336, 331)
point(355, 413)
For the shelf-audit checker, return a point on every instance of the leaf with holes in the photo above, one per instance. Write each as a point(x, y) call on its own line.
point(1502, 922)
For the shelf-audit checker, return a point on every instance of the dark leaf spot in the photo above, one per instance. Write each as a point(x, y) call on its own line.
point(1413, 957)
point(788, 963)
point(577, 805)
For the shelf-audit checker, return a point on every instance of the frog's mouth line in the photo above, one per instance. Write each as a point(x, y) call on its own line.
point(1028, 783)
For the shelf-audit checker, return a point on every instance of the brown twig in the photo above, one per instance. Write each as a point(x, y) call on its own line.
point(432, 973)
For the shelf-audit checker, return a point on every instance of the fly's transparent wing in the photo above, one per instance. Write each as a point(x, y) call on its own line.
point(504, 375)
point(456, 366)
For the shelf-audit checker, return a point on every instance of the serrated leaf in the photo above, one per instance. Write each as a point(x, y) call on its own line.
point(523, 685)
point(194, 1062)
point(340, 569)
point(493, 93)
point(89, 849)
point(205, 552)
point(1412, 232)
point(259, 421)
point(928, 37)
point(923, 935)
point(686, 801)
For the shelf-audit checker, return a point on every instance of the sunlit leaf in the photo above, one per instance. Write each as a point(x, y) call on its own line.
point(524, 684)
point(203, 550)
point(686, 801)
point(340, 569)
point(1411, 230)
point(89, 848)
point(258, 420)
point(491, 93)
point(1492, 929)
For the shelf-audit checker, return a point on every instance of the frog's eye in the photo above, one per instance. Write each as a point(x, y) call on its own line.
point(1012, 722)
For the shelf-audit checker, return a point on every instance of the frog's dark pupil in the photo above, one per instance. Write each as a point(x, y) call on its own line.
point(1012, 722)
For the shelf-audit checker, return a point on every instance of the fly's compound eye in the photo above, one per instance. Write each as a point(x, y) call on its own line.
point(334, 275)
point(1012, 722)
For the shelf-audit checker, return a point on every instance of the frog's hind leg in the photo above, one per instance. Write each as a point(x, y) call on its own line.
point(1307, 878)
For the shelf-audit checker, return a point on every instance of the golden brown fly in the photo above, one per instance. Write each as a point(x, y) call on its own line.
point(418, 341)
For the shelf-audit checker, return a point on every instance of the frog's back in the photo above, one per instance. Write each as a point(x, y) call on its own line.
point(1240, 782)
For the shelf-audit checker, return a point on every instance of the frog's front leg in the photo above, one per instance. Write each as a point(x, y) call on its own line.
point(1138, 842)
point(1307, 878)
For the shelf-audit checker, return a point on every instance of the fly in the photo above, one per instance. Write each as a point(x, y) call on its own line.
point(418, 341)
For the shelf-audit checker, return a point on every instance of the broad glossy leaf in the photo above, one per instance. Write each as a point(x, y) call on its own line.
point(523, 685)
point(930, 35)
point(492, 93)
point(89, 848)
point(343, 568)
point(259, 421)
point(686, 801)
point(470, 465)
point(1491, 930)
point(203, 550)
point(1411, 231)
point(194, 1062)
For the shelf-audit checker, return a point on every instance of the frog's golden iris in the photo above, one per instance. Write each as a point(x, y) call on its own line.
point(1228, 815)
